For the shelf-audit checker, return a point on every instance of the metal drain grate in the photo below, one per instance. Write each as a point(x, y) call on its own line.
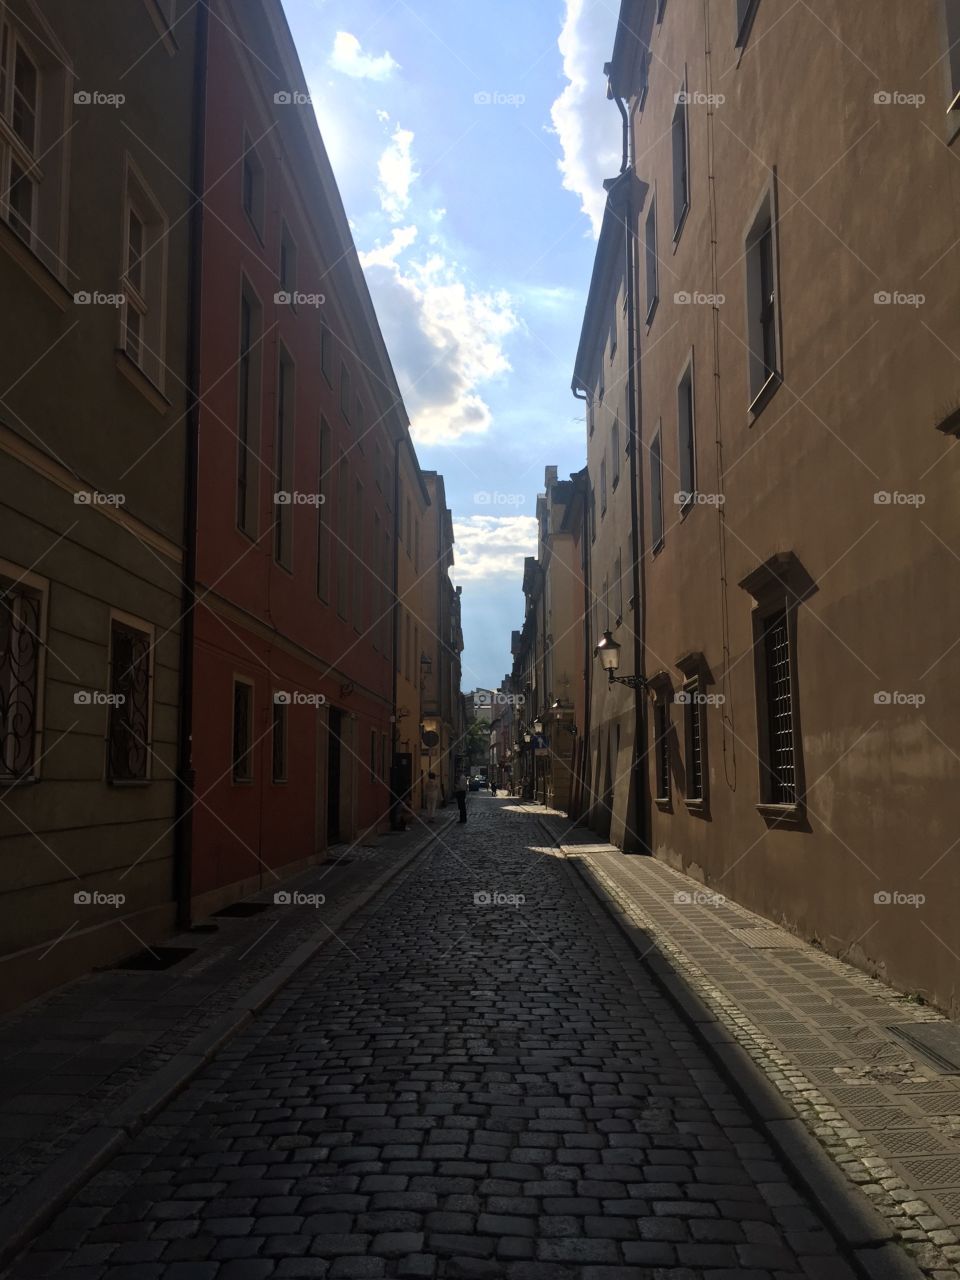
point(800, 1042)
point(911, 1142)
point(809, 1058)
point(938, 1172)
point(860, 1095)
point(766, 939)
point(880, 1118)
point(950, 1200)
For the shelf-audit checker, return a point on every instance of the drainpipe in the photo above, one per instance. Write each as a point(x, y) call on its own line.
point(638, 774)
point(185, 780)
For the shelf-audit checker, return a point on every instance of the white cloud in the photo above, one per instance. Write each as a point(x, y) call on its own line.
point(386, 255)
point(397, 174)
point(587, 125)
point(446, 339)
point(493, 546)
point(349, 58)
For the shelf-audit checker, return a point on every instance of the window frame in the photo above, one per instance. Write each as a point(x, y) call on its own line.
point(323, 532)
point(149, 298)
point(23, 580)
point(287, 257)
point(656, 491)
point(951, 21)
point(345, 384)
point(615, 450)
point(245, 779)
point(248, 440)
point(682, 154)
point(687, 452)
point(117, 617)
point(651, 260)
point(762, 227)
point(255, 213)
point(285, 435)
point(746, 11)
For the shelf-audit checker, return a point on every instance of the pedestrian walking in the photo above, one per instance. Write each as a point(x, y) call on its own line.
point(432, 794)
point(460, 791)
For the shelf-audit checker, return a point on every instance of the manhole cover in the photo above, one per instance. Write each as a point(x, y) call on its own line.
point(881, 1118)
point(950, 1200)
point(936, 1104)
point(155, 958)
point(242, 909)
point(936, 1042)
point(939, 1172)
point(910, 1142)
point(862, 1095)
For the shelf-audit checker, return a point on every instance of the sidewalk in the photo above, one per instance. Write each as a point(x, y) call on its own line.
point(86, 1064)
point(885, 1109)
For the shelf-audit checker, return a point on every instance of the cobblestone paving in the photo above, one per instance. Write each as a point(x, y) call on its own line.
point(70, 1058)
point(819, 1029)
point(470, 1086)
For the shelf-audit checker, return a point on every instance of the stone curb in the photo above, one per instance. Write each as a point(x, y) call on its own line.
point(31, 1209)
point(864, 1233)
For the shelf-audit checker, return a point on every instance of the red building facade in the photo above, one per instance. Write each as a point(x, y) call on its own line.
point(299, 413)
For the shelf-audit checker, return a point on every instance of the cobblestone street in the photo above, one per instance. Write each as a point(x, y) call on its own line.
point(480, 1081)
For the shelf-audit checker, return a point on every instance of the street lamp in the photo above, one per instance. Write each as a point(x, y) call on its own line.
point(608, 651)
point(538, 726)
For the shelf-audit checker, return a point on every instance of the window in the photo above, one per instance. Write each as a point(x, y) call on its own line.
point(248, 409)
point(661, 729)
point(288, 262)
point(745, 12)
point(656, 492)
point(618, 585)
point(386, 620)
point(591, 416)
point(359, 418)
point(344, 391)
point(416, 546)
point(377, 629)
point(323, 533)
point(378, 465)
point(384, 759)
point(343, 532)
point(601, 384)
point(252, 186)
point(661, 6)
point(681, 165)
point(373, 753)
point(615, 450)
point(22, 619)
point(283, 464)
point(242, 731)
point(693, 737)
point(33, 94)
point(593, 513)
point(762, 310)
point(279, 737)
point(613, 335)
point(686, 445)
point(646, 57)
point(778, 757)
point(143, 279)
point(326, 354)
point(359, 567)
point(605, 603)
point(603, 485)
point(952, 9)
point(650, 256)
point(408, 645)
point(128, 731)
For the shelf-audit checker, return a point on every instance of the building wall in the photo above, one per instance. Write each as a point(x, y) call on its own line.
point(866, 195)
point(309, 620)
point(414, 616)
point(79, 418)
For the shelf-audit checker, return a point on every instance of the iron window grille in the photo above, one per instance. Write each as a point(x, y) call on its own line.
point(128, 733)
point(661, 724)
point(693, 733)
point(781, 765)
point(21, 617)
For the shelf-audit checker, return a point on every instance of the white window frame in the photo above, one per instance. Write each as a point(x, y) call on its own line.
point(149, 299)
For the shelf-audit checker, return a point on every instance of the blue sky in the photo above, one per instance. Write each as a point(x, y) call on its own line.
point(470, 143)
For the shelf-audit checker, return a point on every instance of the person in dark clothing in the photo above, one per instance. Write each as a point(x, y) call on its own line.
point(460, 791)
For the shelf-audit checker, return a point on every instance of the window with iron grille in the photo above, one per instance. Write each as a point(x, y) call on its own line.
point(780, 764)
point(21, 648)
point(279, 740)
point(128, 734)
point(693, 734)
point(242, 731)
point(661, 727)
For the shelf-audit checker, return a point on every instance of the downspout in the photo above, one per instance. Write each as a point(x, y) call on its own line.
point(639, 775)
point(395, 612)
point(186, 778)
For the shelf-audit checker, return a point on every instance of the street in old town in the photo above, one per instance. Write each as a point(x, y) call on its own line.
point(479, 1075)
